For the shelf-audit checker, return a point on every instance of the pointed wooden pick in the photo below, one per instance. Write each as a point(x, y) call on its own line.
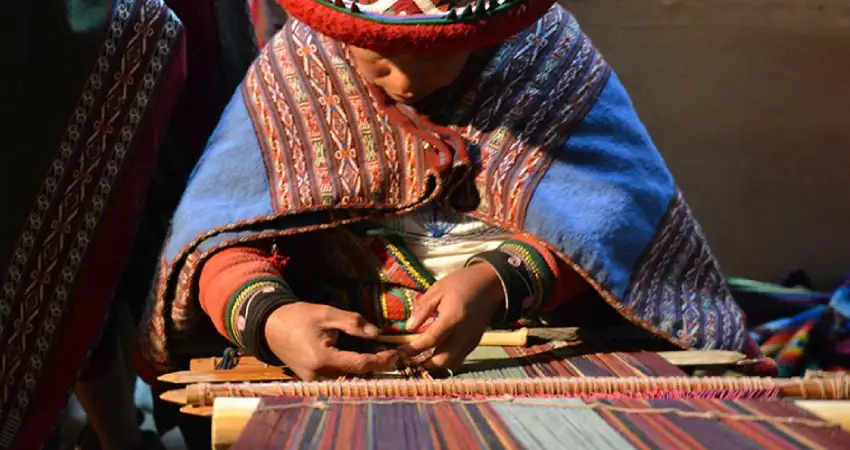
point(176, 396)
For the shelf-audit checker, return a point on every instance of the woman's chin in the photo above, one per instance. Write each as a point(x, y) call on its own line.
point(409, 98)
point(404, 98)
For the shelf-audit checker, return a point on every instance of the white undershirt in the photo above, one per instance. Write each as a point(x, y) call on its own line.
point(442, 240)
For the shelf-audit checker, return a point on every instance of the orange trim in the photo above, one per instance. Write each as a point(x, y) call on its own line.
point(224, 274)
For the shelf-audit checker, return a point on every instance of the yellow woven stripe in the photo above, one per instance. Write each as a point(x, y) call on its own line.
point(407, 265)
point(383, 299)
point(240, 299)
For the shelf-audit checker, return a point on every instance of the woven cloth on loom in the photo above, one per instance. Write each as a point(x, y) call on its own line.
point(284, 423)
point(553, 359)
point(558, 360)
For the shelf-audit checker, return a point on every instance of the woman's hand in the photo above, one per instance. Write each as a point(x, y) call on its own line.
point(304, 335)
point(465, 302)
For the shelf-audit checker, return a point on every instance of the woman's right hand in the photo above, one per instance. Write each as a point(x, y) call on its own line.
point(303, 335)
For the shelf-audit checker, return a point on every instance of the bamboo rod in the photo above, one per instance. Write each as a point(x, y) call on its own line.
point(230, 415)
point(838, 388)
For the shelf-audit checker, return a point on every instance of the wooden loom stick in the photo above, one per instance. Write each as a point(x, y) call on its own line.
point(702, 358)
point(254, 370)
point(210, 364)
point(230, 415)
point(251, 373)
point(176, 396)
point(838, 388)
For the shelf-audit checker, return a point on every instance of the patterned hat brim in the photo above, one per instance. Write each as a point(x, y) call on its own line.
point(487, 23)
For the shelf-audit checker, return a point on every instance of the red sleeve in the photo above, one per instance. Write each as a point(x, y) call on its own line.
point(226, 273)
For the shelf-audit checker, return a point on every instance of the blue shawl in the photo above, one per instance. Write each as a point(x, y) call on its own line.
point(552, 148)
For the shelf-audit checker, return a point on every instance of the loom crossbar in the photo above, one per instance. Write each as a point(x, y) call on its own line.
point(837, 388)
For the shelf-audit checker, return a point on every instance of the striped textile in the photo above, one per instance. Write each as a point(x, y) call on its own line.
point(559, 360)
point(799, 328)
point(284, 423)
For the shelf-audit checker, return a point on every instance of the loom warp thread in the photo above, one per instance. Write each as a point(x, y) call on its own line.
point(661, 387)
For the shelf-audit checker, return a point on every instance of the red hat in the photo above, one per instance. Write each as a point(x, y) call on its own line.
point(418, 26)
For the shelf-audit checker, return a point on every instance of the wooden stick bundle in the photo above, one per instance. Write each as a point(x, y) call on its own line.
point(499, 338)
point(250, 369)
point(204, 394)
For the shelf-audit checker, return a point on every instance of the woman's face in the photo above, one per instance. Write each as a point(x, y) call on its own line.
point(407, 79)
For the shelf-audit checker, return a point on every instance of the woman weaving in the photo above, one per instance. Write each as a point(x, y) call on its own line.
point(405, 166)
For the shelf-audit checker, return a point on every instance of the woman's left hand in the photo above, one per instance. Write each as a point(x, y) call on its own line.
point(465, 302)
